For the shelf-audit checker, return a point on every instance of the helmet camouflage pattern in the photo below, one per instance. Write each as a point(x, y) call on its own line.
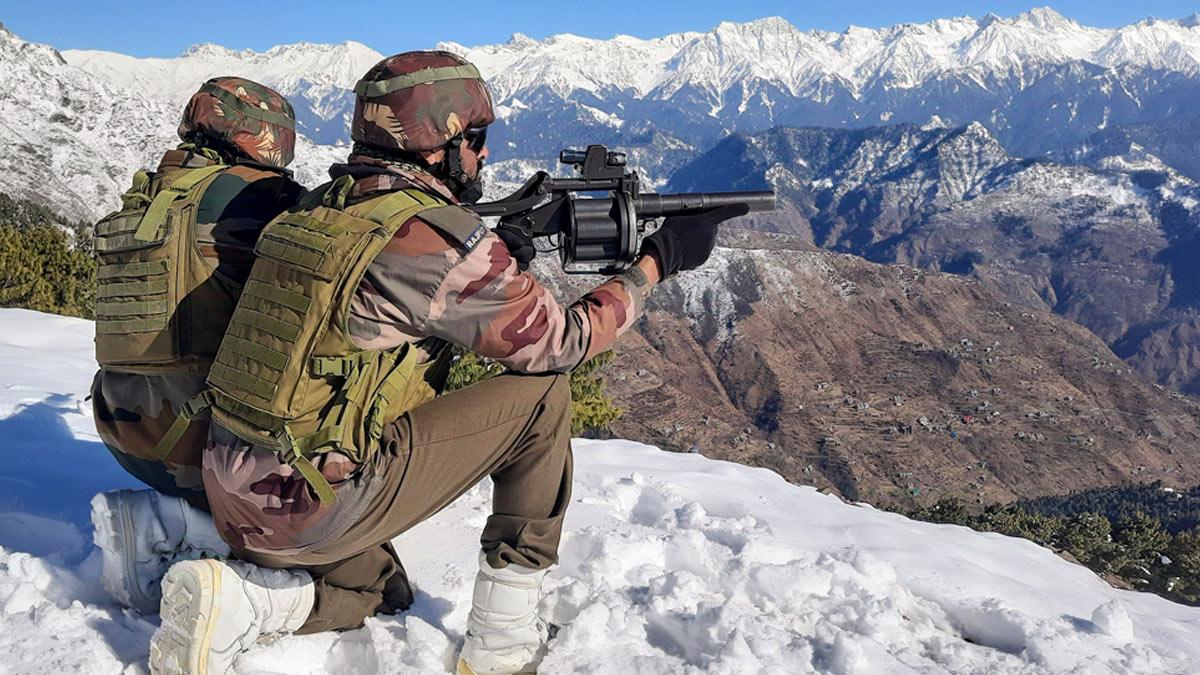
point(418, 101)
point(245, 117)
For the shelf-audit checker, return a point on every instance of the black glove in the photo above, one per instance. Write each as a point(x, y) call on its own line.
point(685, 242)
point(520, 245)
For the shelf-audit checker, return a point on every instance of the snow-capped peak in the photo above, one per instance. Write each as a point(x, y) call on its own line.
point(935, 122)
point(765, 25)
point(1167, 45)
point(208, 50)
point(1046, 18)
point(519, 40)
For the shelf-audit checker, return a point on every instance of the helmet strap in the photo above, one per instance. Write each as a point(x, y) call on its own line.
point(468, 190)
point(213, 148)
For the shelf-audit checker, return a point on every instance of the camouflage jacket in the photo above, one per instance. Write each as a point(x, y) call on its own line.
point(132, 412)
point(426, 289)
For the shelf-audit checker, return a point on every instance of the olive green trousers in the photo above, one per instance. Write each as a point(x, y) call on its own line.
point(514, 428)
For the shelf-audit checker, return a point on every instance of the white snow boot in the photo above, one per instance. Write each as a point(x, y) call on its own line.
point(141, 533)
point(213, 610)
point(505, 635)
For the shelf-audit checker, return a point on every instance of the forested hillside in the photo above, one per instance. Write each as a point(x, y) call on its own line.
point(45, 261)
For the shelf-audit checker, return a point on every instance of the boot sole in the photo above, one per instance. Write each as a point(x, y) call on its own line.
point(189, 615)
point(464, 669)
point(112, 519)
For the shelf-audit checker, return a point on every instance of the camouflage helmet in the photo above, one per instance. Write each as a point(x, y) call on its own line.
point(242, 116)
point(418, 101)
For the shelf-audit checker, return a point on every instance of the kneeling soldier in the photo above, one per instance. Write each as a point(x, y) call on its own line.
point(172, 263)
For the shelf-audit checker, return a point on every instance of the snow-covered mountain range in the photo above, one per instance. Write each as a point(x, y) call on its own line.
point(71, 139)
point(670, 563)
point(68, 139)
point(1039, 81)
point(317, 78)
point(685, 90)
point(734, 67)
point(771, 50)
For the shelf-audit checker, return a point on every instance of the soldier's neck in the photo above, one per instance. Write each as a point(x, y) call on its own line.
point(400, 171)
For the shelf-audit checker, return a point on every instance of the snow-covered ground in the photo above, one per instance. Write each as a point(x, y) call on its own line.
point(670, 563)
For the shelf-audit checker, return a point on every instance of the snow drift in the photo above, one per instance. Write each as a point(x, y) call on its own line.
point(670, 563)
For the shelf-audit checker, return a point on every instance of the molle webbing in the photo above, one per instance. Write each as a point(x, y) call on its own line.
point(287, 374)
point(123, 287)
point(271, 320)
point(138, 280)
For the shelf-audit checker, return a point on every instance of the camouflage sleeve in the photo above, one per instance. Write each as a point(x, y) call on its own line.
point(423, 285)
point(486, 304)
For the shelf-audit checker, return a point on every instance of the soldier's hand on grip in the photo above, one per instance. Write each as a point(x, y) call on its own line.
point(685, 242)
point(519, 243)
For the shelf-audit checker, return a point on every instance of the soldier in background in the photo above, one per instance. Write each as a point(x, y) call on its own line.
point(172, 263)
point(329, 435)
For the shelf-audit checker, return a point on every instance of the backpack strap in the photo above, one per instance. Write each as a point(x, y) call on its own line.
point(398, 207)
point(293, 454)
point(191, 409)
point(156, 214)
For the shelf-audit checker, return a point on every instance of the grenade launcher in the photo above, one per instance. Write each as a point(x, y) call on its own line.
point(601, 234)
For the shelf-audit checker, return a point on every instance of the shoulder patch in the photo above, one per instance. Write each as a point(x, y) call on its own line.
point(460, 224)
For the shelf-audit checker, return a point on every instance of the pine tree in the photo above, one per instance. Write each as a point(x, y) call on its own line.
point(41, 268)
point(1140, 543)
point(591, 408)
point(950, 510)
point(1088, 537)
point(1184, 569)
point(469, 368)
point(1017, 522)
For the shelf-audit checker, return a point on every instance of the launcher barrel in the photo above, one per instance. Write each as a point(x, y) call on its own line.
point(650, 205)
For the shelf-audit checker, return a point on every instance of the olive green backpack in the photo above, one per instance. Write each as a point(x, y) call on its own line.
point(156, 300)
point(288, 375)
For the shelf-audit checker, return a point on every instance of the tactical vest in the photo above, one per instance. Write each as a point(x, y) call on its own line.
point(288, 375)
point(158, 307)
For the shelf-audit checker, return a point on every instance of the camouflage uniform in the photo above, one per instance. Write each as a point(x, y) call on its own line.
point(429, 289)
point(133, 411)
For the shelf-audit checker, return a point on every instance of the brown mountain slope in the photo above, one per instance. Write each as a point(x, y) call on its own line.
point(884, 382)
point(1111, 246)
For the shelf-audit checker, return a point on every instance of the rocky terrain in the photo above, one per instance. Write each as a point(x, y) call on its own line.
point(886, 382)
point(1111, 243)
point(67, 139)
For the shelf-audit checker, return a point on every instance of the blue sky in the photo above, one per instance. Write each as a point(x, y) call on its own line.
point(166, 28)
